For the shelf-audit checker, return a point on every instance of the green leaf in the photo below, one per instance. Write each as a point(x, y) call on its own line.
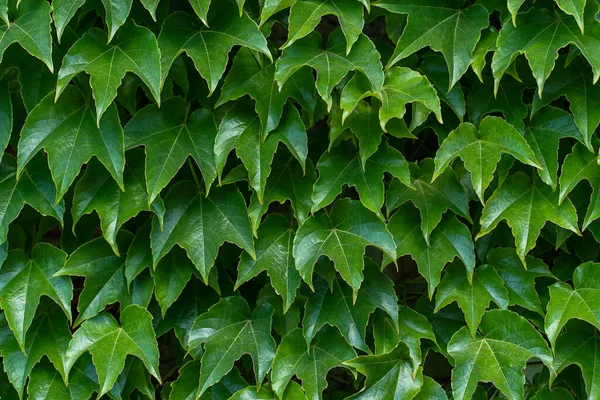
point(45, 383)
point(472, 297)
point(24, 280)
point(249, 76)
point(271, 7)
point(209, 47)
point(133, 50)
point(497, 355)
point(567, 303)
point(481, 149)
point(169, 135)
point(186, 385)
point(117, 12)
point(200, 225)
point(305, 15)
point(388, 376)
point(342, 235)
point(444, 26)
point(431, 390)
point(539, 35)
point(486, 44)
point(273, 254)
point(30, 27)
point(311, 365)
point(343, 166)
point(35, 187)
point(67, 131)
point(109, 344)
point(519, 281)
point(450, 240)
point(228, 331)
point(104, 274)
point(6, 116)
point(526, 206)
point(171, 275)
point(240, 130)
point(338, 307)
point(432, 199)
point(331, 64)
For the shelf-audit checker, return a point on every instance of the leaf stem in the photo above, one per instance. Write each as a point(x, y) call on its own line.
point(194, 174)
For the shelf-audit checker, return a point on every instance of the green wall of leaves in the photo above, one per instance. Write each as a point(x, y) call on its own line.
point(299, 199)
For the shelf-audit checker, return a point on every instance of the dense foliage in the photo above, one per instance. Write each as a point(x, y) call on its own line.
point(299, 199)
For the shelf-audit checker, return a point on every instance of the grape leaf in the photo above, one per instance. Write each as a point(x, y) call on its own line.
point(228, 331)
point(209, 48)
point(481, 149)
point(526, 206)
point(497, 355)
point(109, 344)
point(200, 225)
point(342, 235)
point(311, 365)
point(444, 26)
point(133, 50)
point(66, 130)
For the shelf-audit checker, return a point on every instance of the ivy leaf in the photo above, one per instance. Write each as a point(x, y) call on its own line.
point(104, 272)
point(274, 255)
point(519, 281)
point(571, 7)
point(342, 235)
point(169, 136)
point(133, 50)
point(388, 376)
point(526, 206)
point(481, 149)
point(305, 15)
point(342, 166)
point(271, 7)
point(209, 48)
point(96, 190)
point(186, 385)
point(30, 27)
point(332, 63)
point(35, 187)
point(65, 129)
point(486, 44)
point(431, 390)
point(228, 331)
point(327, 351)
point(472, 297)
point(541, 50)
point(444, 26)
point(240, 130)
point(579, 165)
point(432, 199)
point(338, 307)
point(24, 280)
point(287, 181)
point(249, 76)
point(171, 275)
point(200, 225)
point(401, 87)
point(544, 133)
point(567, 303)
point(497, 355)
point(109, 344)
point(6, 116)
point(45, 383)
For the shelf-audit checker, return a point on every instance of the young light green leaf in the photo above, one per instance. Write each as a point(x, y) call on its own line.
point(338, 307)
point(310, 365)
point(497, 355)
point(169, 136)
point(209, 47)
point(24, 280)
point(342, 166)
point(228, 331)
point(342, 235)
point(526, 206)
point(109, 344)
point(305, 15)
point(481, 149)
point(200, 225)
point(332, 64)
point(133, 50)
point(444, 26)
point(432, 199)
point(472, 297)
point(67, 131)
